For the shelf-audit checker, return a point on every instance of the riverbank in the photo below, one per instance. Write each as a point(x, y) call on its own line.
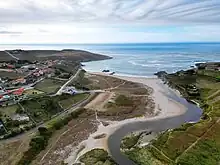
point(165, 107)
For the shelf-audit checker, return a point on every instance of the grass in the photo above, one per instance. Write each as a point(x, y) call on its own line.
point(177, 143)
point(97, 157)
point(49, 86)
point(41, 109)
point(143, 156)
point(191, 144)
point(206, 151)
point(67, 103)
point(210, 73)
point(82, 82)
point(8, 111)
point(123, 100)
point(33, 92)
point(129, 141)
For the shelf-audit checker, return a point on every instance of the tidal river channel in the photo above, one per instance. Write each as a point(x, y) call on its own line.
point(192, 114)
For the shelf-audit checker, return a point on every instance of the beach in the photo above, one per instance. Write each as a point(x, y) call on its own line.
point(165, 107)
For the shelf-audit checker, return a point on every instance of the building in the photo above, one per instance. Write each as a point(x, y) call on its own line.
point(19, 117)
point(19, 81)
point(18, 92)
point(70, 90)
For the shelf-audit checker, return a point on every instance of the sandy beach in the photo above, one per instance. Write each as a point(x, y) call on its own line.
point(164, 106)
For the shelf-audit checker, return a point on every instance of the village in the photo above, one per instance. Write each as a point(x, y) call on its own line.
point(32, 92)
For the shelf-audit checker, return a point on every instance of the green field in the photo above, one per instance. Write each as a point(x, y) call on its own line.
point(71, 100)
point(97, 157)
point(41, 109)
point(8, 111)
point(33, 92)
point(49, 86)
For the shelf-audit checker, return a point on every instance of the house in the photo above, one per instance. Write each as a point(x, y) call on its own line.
point(19, 81)
point(70, 90)
point(10, 66)
point(20, 117)
point(18, 92)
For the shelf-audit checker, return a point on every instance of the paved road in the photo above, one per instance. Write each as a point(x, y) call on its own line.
point(59, 115)
point(59, 92)
point(11, 55)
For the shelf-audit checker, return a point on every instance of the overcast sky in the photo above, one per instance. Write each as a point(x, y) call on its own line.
point(109, 21)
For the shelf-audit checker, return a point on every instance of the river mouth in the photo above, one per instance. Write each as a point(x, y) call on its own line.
point(192, 114)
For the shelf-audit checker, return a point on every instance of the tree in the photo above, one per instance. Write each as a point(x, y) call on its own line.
point(218, 78)
point(19, 110)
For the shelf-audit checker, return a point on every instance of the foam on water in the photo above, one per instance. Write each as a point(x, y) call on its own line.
point(139, 59)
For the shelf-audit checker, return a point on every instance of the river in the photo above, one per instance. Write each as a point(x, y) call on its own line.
point(192, 114)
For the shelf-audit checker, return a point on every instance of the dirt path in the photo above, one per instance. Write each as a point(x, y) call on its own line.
point(100, 101)
point(215, 93)
point(161, 152)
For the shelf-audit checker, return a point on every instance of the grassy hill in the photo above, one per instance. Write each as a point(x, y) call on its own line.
point(73, 55)
point(191, 144)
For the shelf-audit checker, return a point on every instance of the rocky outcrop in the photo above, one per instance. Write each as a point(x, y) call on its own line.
point(161, 74)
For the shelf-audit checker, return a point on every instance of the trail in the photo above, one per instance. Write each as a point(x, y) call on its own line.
point(59, 92)
point(192, 145)
point(11, 55)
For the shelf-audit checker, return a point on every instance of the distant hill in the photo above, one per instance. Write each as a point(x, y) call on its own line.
point(68, 54)
point(5, 57)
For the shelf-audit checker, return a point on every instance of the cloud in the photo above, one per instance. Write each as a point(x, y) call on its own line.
point(10, 32)
point(94, 21)
point(145, 11)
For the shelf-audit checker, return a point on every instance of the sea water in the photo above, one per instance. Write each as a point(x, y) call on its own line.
point(139, 59)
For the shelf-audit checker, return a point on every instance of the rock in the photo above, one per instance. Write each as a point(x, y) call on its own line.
point(112, 73)
point(161, 74)
point(106, 70)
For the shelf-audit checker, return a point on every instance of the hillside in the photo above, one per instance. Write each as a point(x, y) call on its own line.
point(193, 143)
point(73, 55)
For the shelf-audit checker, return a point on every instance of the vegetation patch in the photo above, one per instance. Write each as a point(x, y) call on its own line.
point(33, 92)
point(123, 100)
point(49, 86)
point(143, 156)
point(82, 82)
point(71, 100)
point(40, 141)
point(42, 108)
point(97, 157)
point(130, 141)
point(177, 143)
point(8, 112)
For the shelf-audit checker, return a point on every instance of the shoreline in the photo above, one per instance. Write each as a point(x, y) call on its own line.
point(165, 106)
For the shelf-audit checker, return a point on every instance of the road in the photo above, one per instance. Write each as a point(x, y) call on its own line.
point(11, 55)
point(59, 92)
point(59, 115)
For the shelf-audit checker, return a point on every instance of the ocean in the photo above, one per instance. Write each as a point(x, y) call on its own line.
point(139, 59)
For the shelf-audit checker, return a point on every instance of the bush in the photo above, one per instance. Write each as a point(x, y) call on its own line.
point(218, 78)
point(122, 100)
point(39, 142)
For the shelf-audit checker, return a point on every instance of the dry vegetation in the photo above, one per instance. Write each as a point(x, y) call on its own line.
point(64, 140)
point(11, 151)
point(121, 99)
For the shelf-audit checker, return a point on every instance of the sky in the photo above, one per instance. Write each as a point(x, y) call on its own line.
point(109, 21)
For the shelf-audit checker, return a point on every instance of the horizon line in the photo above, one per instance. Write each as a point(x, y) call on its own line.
point(186, 42)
